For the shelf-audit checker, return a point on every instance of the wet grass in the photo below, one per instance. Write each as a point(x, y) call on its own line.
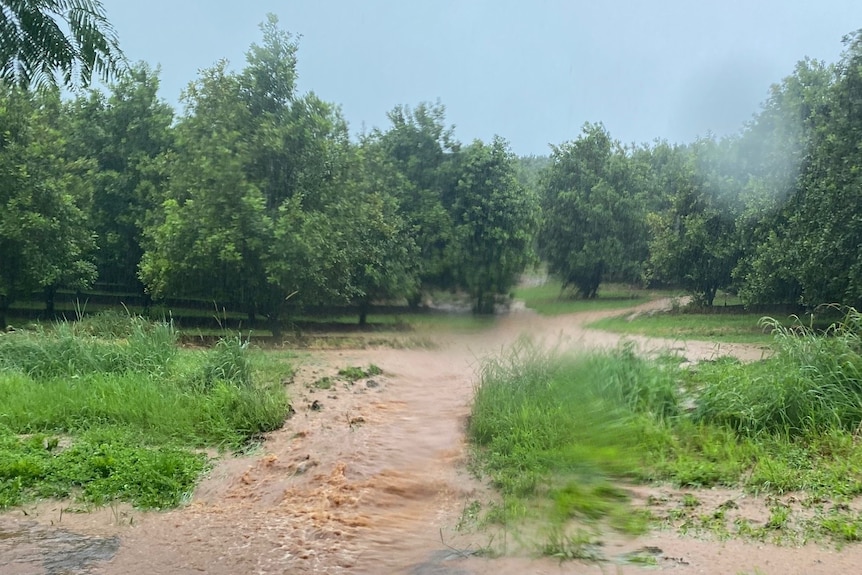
point(550, 299)
point(109, 409)
point(725, 328)
point(721, 324)
point(561, 437)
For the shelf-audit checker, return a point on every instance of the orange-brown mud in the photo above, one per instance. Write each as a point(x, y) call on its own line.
point(371, 478)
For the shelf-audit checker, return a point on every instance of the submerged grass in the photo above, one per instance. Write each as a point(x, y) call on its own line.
point(133, 407)
point(558, 435)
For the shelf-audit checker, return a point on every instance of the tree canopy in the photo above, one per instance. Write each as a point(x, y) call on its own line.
point(256, 195)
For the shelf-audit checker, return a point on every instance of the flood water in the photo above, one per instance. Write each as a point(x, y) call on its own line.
point(29, 548)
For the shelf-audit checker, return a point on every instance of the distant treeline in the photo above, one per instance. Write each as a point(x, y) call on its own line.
point(256, 196)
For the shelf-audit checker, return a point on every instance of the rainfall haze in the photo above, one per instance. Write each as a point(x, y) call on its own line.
point(532, 72)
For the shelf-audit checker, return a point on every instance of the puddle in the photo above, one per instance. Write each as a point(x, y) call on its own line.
point(28, 548)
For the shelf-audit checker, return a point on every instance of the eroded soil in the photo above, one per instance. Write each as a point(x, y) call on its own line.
point(370, 477)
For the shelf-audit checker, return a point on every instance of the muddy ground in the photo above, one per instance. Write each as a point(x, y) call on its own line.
point(371, 477)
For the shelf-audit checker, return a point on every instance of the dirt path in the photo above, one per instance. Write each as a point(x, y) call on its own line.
point(370, 478)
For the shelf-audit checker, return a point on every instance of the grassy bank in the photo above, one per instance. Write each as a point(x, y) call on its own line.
point(725, 324)
point(562, 437)
point(111, 408)
point(725, 328)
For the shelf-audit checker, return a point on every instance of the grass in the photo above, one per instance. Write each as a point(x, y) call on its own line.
point(73, 309)
point(712, 325)
point(550, 299)
point(561, 437)
point(340, 330)
point(100, 466)
point(354, 373)
point(537, 447)
point(725, 328)
point(113, 409)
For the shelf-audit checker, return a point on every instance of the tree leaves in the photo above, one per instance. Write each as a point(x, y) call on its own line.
point(35, 49)
point(44, 237)
point(594, 218)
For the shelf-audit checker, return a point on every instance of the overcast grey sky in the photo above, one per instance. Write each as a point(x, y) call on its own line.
point(531, 71)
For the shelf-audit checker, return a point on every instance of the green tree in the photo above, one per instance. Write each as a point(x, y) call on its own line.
point(256, 180)
point(770, 155)
point(694, 242)
point(45, 240)
point(42, 38)
point(495, 220)
point(593, 217)
point(383, 258)
point(126, 134)
point(825, 230)
point(215, 234)
point(532, 169)
point(425, 152)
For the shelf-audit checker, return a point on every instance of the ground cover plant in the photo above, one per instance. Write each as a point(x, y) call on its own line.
point(112, 408)
point(563, 438)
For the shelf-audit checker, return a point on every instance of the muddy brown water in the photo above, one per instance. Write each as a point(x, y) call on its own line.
point(368, 478)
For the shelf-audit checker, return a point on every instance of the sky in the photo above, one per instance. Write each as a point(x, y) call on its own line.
point(532, 71)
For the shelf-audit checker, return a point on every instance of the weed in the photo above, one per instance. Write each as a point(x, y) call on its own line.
point(733, 328)
point(690, 501)
point(323, 383)
point(355, 373)
point(779, 515)
point(352, 373)
point(630, 521)
point(469, 515)
point(746, 530)
point(841, 525)
point(643, 557)
point(373, 370)
point(228, 362)
point(580, 545)
point(590, 502)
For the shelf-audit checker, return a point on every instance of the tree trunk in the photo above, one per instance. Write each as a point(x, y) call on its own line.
point(414, 300)
point(4, 307)
point(50, 292)
point(709, 296)
point(146, 301)
point(484, 304)
point(274, 324)
point(363, 313)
